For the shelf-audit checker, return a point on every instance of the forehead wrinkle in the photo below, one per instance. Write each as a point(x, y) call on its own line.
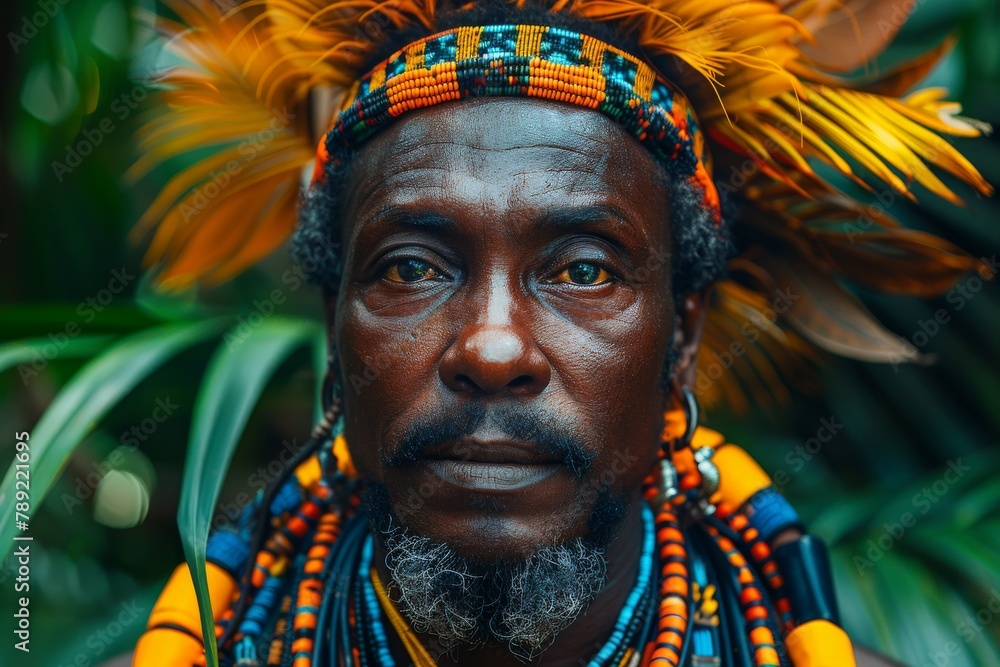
point(584, 133)
point(479, 133)
point(583, 189)
point(577, 152)
point(411, 178)
point(422, 173)
point(394, 162)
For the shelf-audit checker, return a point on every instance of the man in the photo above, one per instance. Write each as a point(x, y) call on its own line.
point(515, 224)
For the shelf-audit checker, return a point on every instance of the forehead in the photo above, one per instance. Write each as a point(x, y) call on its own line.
point(506, 156)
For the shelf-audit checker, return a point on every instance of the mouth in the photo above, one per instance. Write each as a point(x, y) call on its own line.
point(485, 466)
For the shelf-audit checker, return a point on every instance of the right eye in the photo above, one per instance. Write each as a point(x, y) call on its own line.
point(411, 270)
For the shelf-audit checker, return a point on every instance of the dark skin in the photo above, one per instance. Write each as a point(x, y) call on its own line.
point(523, 242)
point(493, 256)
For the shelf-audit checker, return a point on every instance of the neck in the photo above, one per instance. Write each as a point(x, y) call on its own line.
point(585, 636)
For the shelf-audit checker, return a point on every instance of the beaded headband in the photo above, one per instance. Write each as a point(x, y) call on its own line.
point(526, 61)
point(768, 82)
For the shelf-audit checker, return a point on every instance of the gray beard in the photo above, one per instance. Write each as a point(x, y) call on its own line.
point(523, 605)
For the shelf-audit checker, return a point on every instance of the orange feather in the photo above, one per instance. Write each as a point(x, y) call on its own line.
point(258, 86)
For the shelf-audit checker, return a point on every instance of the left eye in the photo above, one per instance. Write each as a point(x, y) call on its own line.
point(411, 271)
point(583, 273)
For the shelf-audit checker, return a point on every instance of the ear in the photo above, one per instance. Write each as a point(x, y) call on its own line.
point(332, 359)
point(330, 317)
point(690, 317)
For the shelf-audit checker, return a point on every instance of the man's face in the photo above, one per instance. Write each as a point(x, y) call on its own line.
point(503, 320)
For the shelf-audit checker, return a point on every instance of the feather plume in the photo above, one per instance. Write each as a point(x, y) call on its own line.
point(227, 210)
point(767, 79)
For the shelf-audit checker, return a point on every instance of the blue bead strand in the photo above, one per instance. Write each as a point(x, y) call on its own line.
point(374, 610)
point(643, 577)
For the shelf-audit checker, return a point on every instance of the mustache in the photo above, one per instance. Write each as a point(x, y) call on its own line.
point(554, 435)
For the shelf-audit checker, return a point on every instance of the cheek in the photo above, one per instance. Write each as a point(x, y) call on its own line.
point(388, 370)
point(613, 375)
point(613, 363)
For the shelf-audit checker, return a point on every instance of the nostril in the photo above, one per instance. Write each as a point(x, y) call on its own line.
point(490, 358)
point(520, 381)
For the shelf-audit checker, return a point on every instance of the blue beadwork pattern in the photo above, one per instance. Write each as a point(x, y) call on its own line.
point(227, 550)
point(526, 61)
point(770, 513)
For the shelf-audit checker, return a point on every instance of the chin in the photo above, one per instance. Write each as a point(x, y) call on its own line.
point(487, 525)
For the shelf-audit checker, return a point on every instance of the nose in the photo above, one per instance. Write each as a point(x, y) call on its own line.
point(495, 351)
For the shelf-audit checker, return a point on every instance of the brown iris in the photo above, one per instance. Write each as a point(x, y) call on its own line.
point(583, 273)
point(411, 270)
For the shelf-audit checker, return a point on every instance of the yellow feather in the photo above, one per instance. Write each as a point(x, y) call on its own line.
point(885, 140)
point(933, 147)
point(925, 107)
point(821, 149)
point(753, 71)
point(846, 141)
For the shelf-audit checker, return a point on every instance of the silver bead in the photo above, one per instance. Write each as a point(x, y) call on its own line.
point(709, 471)
point(668, 474)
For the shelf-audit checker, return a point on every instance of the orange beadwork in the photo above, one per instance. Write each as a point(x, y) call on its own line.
point(675, 589)
point(755, 613)
point(545, 62)
point(310, 593)
point(763, 559)
point(672, 623)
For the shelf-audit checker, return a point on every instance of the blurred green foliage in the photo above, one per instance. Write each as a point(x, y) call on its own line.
point(915, 535)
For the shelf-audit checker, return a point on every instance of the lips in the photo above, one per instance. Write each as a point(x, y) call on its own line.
point(473, 450)
point(490, 466)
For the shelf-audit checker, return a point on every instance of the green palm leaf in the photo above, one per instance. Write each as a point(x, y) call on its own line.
point(84, 401)
point(236, 376)
point(26, 351)
point(916, 589)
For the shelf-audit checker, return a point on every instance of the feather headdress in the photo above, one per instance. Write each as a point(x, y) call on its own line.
point(262, 81)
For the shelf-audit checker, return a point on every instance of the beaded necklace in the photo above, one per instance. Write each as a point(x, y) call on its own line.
point(339, 606)
point(339, 603)
point(720, 595)
point(364, 600)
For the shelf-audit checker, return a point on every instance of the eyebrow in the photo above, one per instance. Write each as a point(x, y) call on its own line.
point(574, 218)
point(560, 220)
point(424, 221)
